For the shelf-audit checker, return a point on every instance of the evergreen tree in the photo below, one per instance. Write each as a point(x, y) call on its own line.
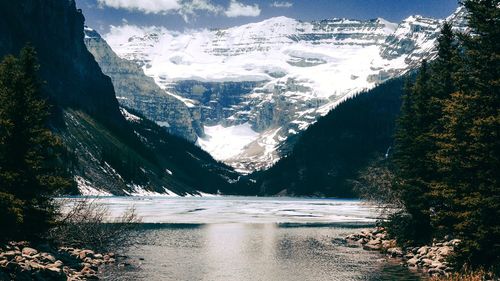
point(443, 84)
point(469, 147)
point(29, 153)
point(412, 145)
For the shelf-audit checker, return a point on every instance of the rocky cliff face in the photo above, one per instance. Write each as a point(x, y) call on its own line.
point(54, 27)
point(259, 84)
point(112, 151)
point(136, 90)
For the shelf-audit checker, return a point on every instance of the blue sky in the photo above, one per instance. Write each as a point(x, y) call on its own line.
point(193, 14)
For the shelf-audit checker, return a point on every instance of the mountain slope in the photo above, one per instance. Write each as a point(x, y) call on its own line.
point(55, 29)
point(136, 90)
point(261, 83)
point(111, 149)
point(332, 151)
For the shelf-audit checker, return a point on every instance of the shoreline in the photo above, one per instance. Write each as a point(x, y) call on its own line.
point(20, 261)
point(430, 259)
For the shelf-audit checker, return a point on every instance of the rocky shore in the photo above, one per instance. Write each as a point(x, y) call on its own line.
point(431, 259)
point(20, 262)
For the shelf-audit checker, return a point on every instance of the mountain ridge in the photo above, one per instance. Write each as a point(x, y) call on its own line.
point(108, 153)
point(276, 76)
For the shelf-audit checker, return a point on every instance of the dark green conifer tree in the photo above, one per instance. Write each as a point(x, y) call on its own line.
point(30, 170)
point(469, 147)
point(410, 157)
point(443, 85)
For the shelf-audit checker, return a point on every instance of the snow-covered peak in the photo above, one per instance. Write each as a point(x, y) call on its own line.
point(459, 19)
point(389, 27)
point(274, 21)
point(298, 70)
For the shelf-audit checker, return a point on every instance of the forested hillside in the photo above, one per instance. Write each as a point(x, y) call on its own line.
point(447, 154)
point(106, 153)
point(330, 154)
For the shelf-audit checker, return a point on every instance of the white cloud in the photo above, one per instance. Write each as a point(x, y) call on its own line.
point(120, 34)
point(278, 4)
point(186, 8)
point(189, 8)
point(146, 6)
point(237, 9)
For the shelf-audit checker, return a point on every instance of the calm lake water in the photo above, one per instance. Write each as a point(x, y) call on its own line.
point(251, 239)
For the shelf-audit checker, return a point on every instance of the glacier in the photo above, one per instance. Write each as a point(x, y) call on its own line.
point(256, 85)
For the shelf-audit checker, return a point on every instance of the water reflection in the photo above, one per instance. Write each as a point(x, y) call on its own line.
point(253, 252)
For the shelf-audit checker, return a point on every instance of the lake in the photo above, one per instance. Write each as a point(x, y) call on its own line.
point(250, 239)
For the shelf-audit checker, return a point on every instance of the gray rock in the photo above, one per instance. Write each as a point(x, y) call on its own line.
point(136, 90)
point(412, 262)
point(427, 262)
point(10, 254)
point(47, 257)
point(395, 252)
point(423, 250)
point(445, 251)
point(436, 272)
point(372, 247)
point(375, 242)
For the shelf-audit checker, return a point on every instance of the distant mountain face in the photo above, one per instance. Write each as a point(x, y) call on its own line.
point(136, 90)
point(110, 150)
point(254, 86)
point(331, 153)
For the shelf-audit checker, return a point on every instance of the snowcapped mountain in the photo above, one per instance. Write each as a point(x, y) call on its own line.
point(136, 90)
point(254, 86)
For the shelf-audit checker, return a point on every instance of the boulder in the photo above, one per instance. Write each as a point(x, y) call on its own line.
point(372, 247)
point(10, 254)
point(53, 269)
point(387, 244)
point(374, 242)
point(445, 251)
point(427, 262)
point(85, 253)
point(362, 241)
point(435, 264)
point(395, 252)
point(29, 251)
point(409, 255)
point(87, 271)
point(57, 264)
point(412, 262)
point(436, 272)
point(423, 250)
point(46, 257)
point(35, 265)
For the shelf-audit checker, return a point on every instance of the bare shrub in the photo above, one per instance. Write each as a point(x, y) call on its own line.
point(376, 183)
point(84, 223)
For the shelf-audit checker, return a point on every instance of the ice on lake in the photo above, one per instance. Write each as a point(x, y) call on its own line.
point(222, 209)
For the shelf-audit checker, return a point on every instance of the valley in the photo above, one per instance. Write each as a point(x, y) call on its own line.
point(138, 141)
point(260, 84)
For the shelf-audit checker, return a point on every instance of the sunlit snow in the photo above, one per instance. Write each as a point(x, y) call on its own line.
point(129, 116)
point(86, 188)
point(311, 65)
point(226, 142)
